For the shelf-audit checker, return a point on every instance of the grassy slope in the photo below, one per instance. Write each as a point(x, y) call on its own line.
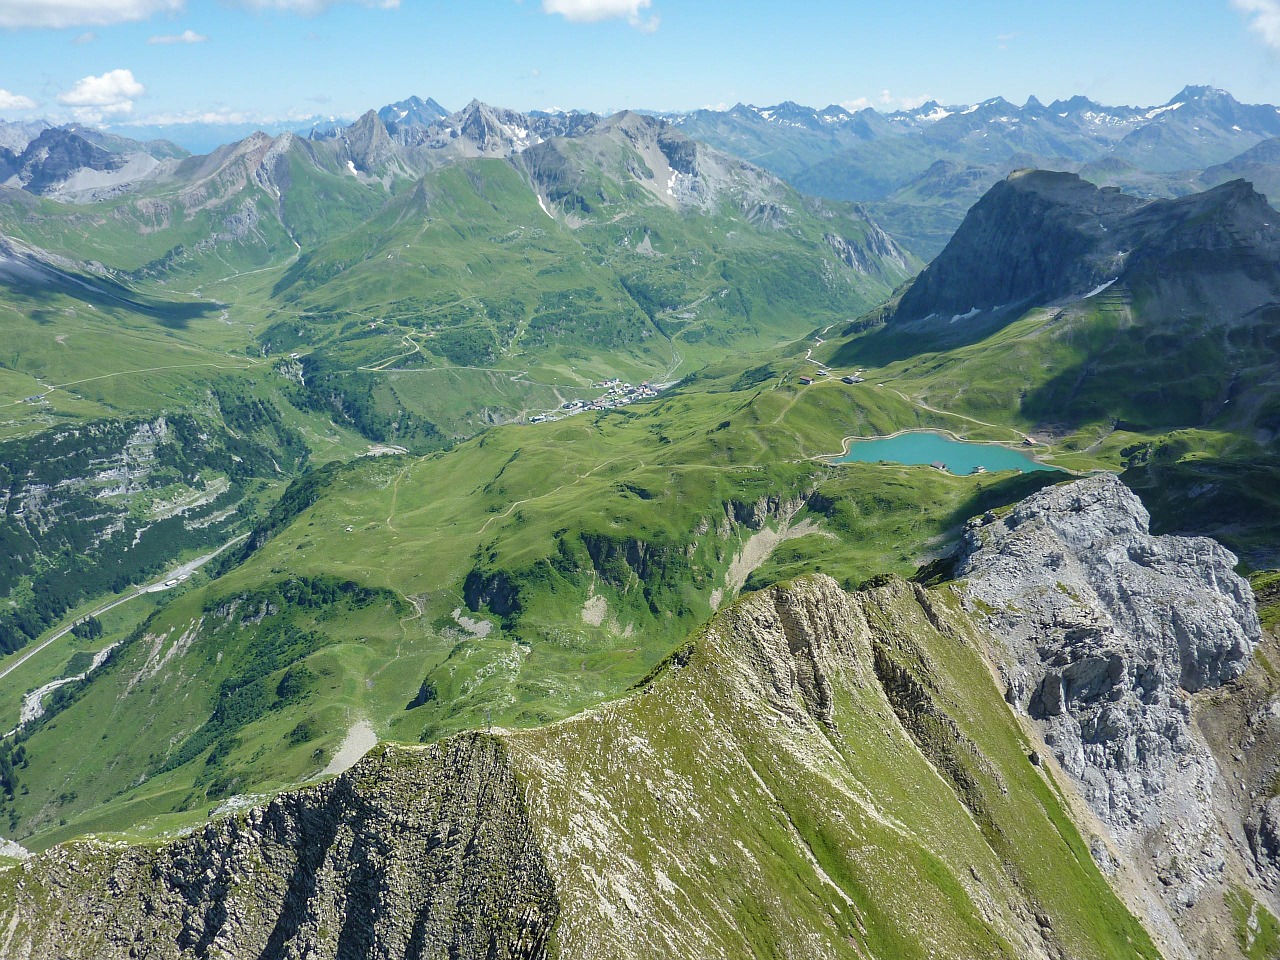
point(488, 308)
point(195, 316)
point(854, 836)
point(605, 508)
point(466, 270)
point(1113, 393)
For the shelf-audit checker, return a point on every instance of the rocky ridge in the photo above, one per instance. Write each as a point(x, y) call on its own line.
point(417, 854)
point(817, 774)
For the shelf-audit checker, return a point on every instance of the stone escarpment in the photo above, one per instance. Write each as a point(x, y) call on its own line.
point(1105, 635)
point(412, 854)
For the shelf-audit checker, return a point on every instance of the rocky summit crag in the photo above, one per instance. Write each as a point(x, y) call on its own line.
point(1040, 237)
point(1106, 633)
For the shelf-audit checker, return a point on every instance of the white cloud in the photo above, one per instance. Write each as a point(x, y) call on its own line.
point(1264, 19)
point(216, 116)
point(910, 103)
point(593, 11)
point(186, 36)
point(92, 98)
point(78, 13)
point(87, 37)
point(886, 100)
point(311, 7)
point(16, 101)
point(102, 13)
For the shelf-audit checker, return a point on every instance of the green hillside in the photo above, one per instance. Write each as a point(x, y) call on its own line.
point(267, 297)
point(520, 576)
point(1186, 409)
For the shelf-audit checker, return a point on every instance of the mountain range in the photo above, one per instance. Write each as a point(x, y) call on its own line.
point(920, 169)
point(507, 452)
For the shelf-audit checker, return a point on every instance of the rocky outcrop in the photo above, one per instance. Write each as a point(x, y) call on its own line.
point(1106, 632)
point(91, 508)
point(414, 854)
point(869, 254)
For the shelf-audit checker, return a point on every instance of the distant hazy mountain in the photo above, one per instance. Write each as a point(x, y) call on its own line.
point(413, 112)
point(80, 165)
point(207, 136)
point(920, 169)
point(865, 155)
point(16, 135)
point(1260, 165)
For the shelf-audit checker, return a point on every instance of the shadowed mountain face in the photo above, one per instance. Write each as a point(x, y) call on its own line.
point(1039, 237)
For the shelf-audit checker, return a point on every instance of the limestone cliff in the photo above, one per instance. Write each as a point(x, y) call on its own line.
point(1105, 634)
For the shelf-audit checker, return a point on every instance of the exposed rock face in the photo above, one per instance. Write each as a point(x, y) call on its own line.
point(1107, 632)
point(417, 854)
point(869, 255)
point(1041, 237)
point(69, 164)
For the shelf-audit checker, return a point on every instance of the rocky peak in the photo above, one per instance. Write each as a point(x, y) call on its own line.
point(1040, 237)
point(56, 154)
point(1076, 104)
point(368, 144)
point(413, 112)
point(1035, 236)
point(634, 126)
point(492, 129)
point(1106, 632)
point(1200, 92)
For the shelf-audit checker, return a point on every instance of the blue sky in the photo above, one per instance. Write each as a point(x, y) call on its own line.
point(117, 61)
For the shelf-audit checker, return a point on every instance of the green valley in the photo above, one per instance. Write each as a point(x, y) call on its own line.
point(429, 537)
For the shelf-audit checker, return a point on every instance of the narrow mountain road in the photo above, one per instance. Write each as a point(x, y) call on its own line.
point(959, 416)
point(157, 586)
point(48, 389)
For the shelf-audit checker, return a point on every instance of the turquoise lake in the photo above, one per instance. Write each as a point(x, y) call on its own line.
point(959, 457)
